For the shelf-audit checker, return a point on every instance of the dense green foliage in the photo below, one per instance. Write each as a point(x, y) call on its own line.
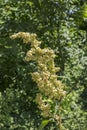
point(61, 25)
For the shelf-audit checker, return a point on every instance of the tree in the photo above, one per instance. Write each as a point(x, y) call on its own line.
point(57, 28)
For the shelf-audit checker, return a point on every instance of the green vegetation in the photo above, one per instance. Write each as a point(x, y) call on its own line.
point(62, 26)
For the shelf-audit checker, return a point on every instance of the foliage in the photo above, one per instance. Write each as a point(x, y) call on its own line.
point(56, 23)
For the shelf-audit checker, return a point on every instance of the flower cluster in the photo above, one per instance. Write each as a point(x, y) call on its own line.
point(27, 38)
point(50, 88)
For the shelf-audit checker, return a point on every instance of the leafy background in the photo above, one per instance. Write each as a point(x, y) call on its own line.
point(61, 25)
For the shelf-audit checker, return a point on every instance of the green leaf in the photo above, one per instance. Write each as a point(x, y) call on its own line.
point(43, 124)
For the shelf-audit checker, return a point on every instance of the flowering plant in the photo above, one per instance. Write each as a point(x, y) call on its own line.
point(50, 89)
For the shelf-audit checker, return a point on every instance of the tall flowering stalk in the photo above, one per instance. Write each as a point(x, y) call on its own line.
point(50, 88)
